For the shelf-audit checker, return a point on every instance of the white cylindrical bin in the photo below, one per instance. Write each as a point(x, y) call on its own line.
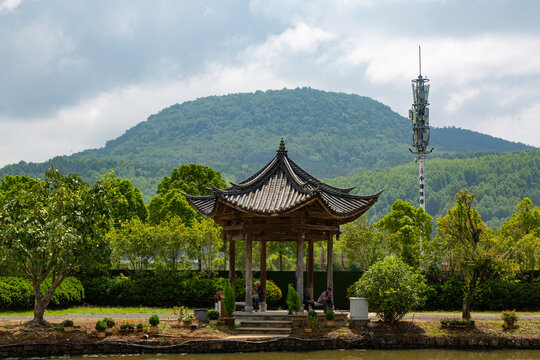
point(359, 309)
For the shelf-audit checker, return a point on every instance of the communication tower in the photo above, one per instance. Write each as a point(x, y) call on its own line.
point(419, 116)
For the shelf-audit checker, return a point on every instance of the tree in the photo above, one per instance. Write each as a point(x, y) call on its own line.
point(126, 200)
point(136, 241)
point(206, 238)
point(470, 246)
point(175, 244)
point(363, 244)
point(191, 179)
point(51, 227)
point(521, 234)
point(408, 229)
point(392, 288)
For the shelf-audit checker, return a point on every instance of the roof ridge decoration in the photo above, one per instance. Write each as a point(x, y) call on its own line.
point(280, 187)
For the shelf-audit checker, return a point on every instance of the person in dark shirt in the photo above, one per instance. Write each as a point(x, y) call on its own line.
point(258, 295)
point(307, 299)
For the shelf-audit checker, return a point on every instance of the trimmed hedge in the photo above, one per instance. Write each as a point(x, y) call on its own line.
point(495, 295)
point(16, 293)
point(152, 290)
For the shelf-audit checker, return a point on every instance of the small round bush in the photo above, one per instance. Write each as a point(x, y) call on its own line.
point(213, 314)
point(392, 288)
point(154, 320)
point(101, 325)
point(67, 323)
point(330, 315)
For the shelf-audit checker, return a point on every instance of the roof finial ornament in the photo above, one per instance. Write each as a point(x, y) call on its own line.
point(282, 149)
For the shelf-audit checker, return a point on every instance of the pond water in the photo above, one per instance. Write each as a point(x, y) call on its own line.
point(346, 355)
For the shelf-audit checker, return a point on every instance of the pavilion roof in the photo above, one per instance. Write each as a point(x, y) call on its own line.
point(280, 187)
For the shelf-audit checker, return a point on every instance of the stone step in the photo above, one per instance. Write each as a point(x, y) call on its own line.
point(258, 330)
point(266, 323)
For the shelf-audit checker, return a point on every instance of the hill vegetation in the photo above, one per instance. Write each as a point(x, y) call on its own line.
point(501, 180)
point(329, 134)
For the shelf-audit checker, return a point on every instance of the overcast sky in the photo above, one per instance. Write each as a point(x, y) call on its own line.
point(74, 74)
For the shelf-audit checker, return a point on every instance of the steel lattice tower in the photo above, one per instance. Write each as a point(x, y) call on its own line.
point(419, 116)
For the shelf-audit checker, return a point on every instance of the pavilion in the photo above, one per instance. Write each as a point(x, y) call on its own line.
point(281, 202)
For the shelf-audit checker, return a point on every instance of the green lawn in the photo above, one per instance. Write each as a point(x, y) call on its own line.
point(84, 310)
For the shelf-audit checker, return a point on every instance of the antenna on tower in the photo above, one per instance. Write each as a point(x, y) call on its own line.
point(419, 116)
point(419, 60)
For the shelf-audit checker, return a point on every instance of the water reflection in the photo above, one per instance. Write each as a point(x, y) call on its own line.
point(348, 355)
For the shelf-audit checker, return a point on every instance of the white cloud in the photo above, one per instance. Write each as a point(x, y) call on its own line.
point(459, 97)
point(9, 5)
point(522, 126)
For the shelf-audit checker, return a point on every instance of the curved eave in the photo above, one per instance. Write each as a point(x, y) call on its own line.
point(205, 205)
point(363, 203)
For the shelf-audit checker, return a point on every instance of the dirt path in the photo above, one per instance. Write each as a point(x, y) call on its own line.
point(412, 315)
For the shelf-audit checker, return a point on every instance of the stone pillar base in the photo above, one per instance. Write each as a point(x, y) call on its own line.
point(262, 307)
point(357, 324)
point(248, 308)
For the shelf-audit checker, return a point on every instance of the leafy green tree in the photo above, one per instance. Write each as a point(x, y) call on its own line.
point(521, 234)
point(281, 255)
point(392, 288)
point(470, 246)
point(408, 229)
point(207, 240)
point(51, 227)
point(126, 200)
point(171, 204)
point(135, 241)
point(363, 244)
point(175, 244)
point(191, 179)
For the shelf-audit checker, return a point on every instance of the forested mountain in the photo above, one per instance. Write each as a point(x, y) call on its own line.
point(329, 134)
point(501, 180)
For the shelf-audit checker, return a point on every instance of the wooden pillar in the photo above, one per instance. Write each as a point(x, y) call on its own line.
point(232, 261)
point(263, 268)
point(330, 261)
point(249, 275)
point(300, 266)
point(310, 266)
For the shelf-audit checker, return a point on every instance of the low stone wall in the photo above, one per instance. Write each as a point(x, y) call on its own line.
point(23, 350)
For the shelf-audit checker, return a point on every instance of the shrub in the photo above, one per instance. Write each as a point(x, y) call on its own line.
point(110, 322)
point(66, 323)
point(293, 300)
point(509, 315)
point(17, 293)
point(213, 314)
point(101, 325)
point(330, 315)
point(229, 300)
point(273, 294)
point(154, 320)
point(392, 288)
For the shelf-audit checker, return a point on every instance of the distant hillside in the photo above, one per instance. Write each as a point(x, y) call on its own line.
point(501, 180)
point(329, 134)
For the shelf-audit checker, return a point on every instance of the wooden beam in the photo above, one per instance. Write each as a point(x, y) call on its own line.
point(249, 275)
point(310, 264)
point(232, 261)
point(263, 268)
point(330, 261)
point(300, 266)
